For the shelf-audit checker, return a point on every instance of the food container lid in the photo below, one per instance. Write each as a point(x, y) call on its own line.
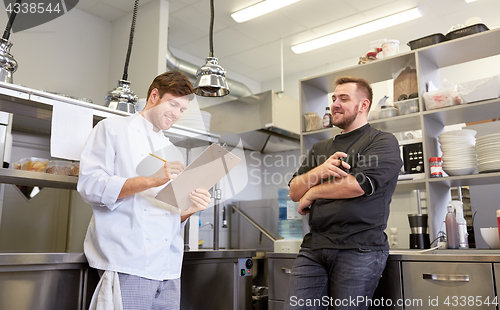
point(435, 159)
point(60, 163)
point(390, 41)
point(26, 159)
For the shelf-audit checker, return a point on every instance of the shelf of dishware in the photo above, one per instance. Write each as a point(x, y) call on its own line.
point(315, 94)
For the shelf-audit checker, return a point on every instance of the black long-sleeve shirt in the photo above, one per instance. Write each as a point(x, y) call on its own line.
point(355, 222)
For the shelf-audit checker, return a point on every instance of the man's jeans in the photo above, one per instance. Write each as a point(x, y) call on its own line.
point(334, 279)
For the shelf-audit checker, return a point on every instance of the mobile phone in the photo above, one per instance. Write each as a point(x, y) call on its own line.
point(348, 160)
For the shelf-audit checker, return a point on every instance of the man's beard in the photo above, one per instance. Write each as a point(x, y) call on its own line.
point(347, 121)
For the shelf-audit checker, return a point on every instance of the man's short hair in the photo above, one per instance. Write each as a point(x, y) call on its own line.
point(361, 84)
point(172, 82)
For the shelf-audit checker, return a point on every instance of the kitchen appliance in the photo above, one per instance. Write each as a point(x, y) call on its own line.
point(419, 238)
point(412, 155)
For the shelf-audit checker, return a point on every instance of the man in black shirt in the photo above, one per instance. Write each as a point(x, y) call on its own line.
point(346, 184)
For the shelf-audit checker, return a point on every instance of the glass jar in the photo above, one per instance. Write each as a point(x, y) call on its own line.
point(436, 167)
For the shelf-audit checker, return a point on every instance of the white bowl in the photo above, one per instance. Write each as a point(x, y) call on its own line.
point(459, 133)
point(460, 171)
point(490, 236)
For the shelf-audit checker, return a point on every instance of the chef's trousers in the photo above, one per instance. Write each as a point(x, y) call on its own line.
point(334, 279)
point(145, 294)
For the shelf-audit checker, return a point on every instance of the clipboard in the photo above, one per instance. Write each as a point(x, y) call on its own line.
point(204, 172)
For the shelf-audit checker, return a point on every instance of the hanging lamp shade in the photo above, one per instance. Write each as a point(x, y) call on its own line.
point(211, 80)
point(122, 97)
point(8, 65)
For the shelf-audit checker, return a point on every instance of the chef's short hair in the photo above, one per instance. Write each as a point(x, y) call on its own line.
point(172, 82)
point(361, 84)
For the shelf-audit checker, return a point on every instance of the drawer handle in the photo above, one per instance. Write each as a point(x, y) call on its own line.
point(447, 277)
point(286, 270)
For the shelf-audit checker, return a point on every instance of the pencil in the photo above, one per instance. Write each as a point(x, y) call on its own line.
point(157, 157)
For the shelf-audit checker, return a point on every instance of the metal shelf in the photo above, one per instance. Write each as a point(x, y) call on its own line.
point(465, 49)
point(410, 185)
point(40, 179)
point(468, 180)
point(465, 113)
point(37, 104)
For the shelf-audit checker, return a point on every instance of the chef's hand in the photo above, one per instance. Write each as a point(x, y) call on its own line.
point(200, 199)
point(331, 167)
point(305, 205)
point(168, 171)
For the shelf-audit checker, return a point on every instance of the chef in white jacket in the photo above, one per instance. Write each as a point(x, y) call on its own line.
point(133, 237)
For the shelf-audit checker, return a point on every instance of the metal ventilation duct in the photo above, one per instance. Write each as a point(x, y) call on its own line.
point(238, 89)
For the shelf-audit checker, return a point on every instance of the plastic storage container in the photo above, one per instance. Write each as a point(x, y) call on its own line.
point(60, 167)
point(426, 41)
point(407, 106)
point(290, 221)
point(16, 165)
point(34, 164)
point(75, 168)
point(480, 89)
point(390, 48)
point(466, 31)
point(387, 111)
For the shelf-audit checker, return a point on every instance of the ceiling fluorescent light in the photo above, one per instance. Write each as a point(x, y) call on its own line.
point(259, 9)
point(357, 31)
point(469, 1)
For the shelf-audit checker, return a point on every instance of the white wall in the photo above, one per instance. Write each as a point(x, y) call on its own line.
point(68, 55)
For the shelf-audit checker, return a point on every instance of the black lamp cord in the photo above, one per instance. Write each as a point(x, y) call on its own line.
point(131, 39)
point(211, 28)
point(13, 14)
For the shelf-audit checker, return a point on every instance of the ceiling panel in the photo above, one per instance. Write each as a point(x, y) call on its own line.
point(105, 11)
point(269, 28)
point(363, 5)
point(84, 5)
point(198, 19)
point(180, 33)
point(252, 48)
point(259, 57)
point(313, 13)
point(174, 6)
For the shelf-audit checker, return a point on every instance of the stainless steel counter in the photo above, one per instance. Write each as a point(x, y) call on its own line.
point(45, 281)
point(221, 254)
point(64, 281)
point(448, 255)
point(25, 259)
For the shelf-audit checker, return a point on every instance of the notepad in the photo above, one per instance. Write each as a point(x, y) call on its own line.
point(203, 173)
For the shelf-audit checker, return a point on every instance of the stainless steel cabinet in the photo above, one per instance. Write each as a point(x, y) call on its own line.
point(276, 305)
point(279, 270)
point(444, 285)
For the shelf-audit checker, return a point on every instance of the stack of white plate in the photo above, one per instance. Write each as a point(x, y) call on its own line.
point(196, 119)
point(488, 148)
point(459, 153)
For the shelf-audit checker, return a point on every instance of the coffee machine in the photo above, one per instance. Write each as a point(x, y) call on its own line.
point(419, 237)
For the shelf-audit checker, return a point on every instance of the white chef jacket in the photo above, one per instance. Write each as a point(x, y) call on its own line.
point(138, 234)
